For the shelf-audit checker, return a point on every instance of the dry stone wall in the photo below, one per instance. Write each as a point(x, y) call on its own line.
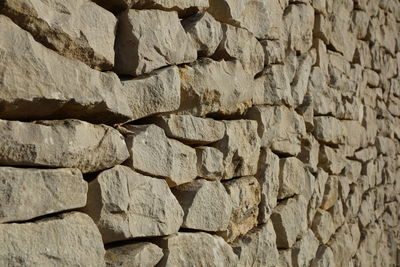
point(247, 133)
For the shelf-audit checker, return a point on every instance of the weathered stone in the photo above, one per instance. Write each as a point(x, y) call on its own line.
point(155, 154)
point(285, 258)
point(344, 244)
point(299, 22)
point(332, 160)
point(241, 148)
point(190, 129)
point(143, 45)
point(159, 92)
point(206, 204)
point(268, 178)
point(355, 136)
point(134, 255)
point(182, 7)
point(221, 87)
point(240, 44)
point(323, 226)
point(292, 177)
point(205, 33)
point(69, 143)
point(385, 146)
point(309, 152)
point(299, 85)
point(290, 221)
point(70, 239)
point(331, 193)
point(52, 86)
point(182, 248)
point(360, 21)
point(280, 128)
point(366, 154)
point(210, 163)
point(274, 51)
point(125, 204)
point(366, 213)
point(245, 197)
point(70, 27)
point(304, 251)
point(329, 130)
point(324, 258)
point(258, 247)
point(30, 193)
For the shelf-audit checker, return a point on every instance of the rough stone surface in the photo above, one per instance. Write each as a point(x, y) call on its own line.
point(210, 163)
point(70, 239)
point(125, 204)
point(155, 154)
point(51, 86)
point(206, 204)
point(30, 193)
point(292, 177)
point(142, 45)
point(69, 143)
point(135, 255)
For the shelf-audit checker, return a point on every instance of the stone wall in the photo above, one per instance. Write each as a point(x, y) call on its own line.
point(200, 133)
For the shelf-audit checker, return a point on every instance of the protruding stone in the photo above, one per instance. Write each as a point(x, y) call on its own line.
point(205, 33)
point(30, 193)
point(70, 239)
point(158, 92)
point(274, 51)
point(240, 44)
point(332, 160)
point(324, 257)
point(182, 248)
point(331, 193)
point(190, 129)
point(221, 87)
point(323, 226)
point(310, 152)
point(241, 148)
point(134, 255)
point(292, 177)
point(303, 252)
point(245, 197)
point(329, 130)
point(299, 85)
point(143, 45)
point(51, 86)
point(155, 154)
point(125, 204)
point(345, 243)
point(206, 204)
point(210, 163)
point(69, 143)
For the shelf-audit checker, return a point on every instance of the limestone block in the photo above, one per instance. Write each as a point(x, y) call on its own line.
point(299, 85)
point(323, 226)
point(304, 251)
point(386, 146)
point(68, 143)
point(70, 239)
point(125, 204)
point(324, 258)
point(206, 204)
point(309, 152)
point(332, 160)
point(292, 177)
point(329, 130)
point(143, 45)
point(345, 243)
point(155, 154)
point(331, 193)
point(274, 51)
point(50, 86)
point(141, 254)
point(210, 163)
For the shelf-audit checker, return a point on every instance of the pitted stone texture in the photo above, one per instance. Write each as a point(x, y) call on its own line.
point(155, 154)
point(69, 143)
point(159, 92)
point(30, 193)
point(125, 204)
point(210, 163)
point(141, 254)
point(182, 248)
point(70, 239)
point(190, 129)
point(221, 87)
point(241, 148)
point(280, 128)
point(143, 45)
point(206, 204)
point(292, 177)
point(240, 44)
point(329, 130)
point(258, 247)
point(268, 178)
point(245, 197)
point(77, 29)
point(205, 33)
point(50, 86)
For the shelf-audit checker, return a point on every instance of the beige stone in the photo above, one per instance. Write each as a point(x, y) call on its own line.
point(70, 239)
point(299, 85)
point(143, 45)
point(309, 152)
point(240, 44)
point(332, 160)
point(141, 254)
point(29, 193)
point(323, 226)
point(331, 193)
point(274, 51)
point(182, 248)
point(245, 197)
point(69, 143)
point(221, 87)
point(210, 163)
point(292, 177)
point(304, 251)
point(206, 204)
point(324, 258)
point(345, 243)
point(159, 92)
point(182, 7)
point(155, 154)
point(205, 32)
point(329, 130)
point(241, 148)
point(386, 146)
point(125, 204)
point(190, 129)
point(50, 86)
